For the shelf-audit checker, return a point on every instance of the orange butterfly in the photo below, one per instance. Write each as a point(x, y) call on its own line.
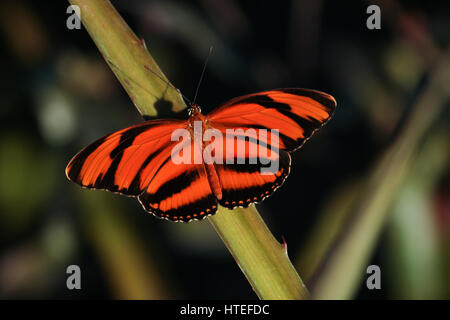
point(139, 161)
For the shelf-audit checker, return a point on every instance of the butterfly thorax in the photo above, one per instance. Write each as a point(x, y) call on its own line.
point(196, 116)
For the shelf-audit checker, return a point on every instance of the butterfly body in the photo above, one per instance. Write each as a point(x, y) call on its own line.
point(196, 116)
point(182, 170)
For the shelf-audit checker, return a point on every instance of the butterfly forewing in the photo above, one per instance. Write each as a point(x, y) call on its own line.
point(124, 160)
point(296, 113)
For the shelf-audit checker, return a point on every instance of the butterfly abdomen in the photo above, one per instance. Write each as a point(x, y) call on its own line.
point(214, 181)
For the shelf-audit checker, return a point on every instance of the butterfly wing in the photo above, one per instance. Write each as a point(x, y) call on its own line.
point(136, 161)
point(296, 113)
point(180, 191)
point(265, 169)
point(120, 162)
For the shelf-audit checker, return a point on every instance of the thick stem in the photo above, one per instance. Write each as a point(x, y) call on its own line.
point(127, 56)
point(262, 259)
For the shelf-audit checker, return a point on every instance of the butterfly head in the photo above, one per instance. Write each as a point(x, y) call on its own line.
point(194, 109)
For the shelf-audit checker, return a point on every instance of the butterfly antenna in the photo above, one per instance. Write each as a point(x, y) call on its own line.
point(203, 73)
point(157, 75)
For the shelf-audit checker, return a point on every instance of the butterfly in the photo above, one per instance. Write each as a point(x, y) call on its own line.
point(139, 161)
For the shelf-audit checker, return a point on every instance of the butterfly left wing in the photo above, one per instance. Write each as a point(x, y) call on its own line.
point(179, 192)
point(123, 161)
point(137, 161)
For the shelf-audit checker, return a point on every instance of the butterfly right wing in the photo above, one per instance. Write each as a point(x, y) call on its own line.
point(250, 167)
point(295, 113)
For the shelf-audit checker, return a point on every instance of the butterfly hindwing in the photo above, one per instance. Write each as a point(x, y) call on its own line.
point(244, 184)
point(180, 191)
point(249, 166)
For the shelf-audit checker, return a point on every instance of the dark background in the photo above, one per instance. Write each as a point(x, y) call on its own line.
point(58, 95)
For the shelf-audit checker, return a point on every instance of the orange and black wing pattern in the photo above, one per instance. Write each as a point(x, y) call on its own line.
point(296, 113)
point(243, 183)
point(180, 191)
point(137, 161)
point(123, 161)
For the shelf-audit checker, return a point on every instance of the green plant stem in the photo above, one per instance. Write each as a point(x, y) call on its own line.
point(260, 256)
point(127, 56)
point(262, 259)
